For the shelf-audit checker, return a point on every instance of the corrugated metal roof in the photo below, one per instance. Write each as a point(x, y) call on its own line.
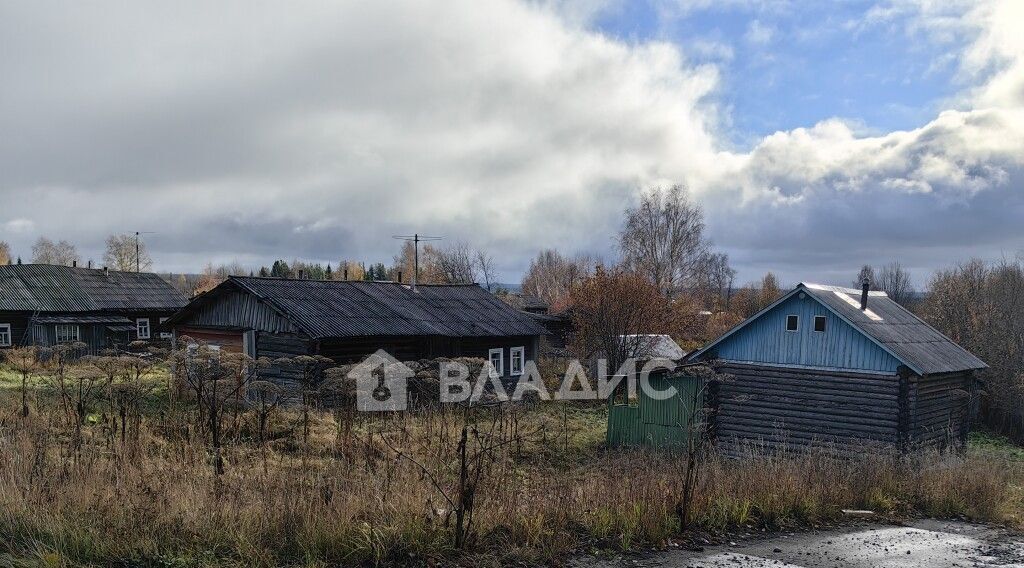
point(907, 337)
point(64, 289)
point(325, 308)
point(897, 330)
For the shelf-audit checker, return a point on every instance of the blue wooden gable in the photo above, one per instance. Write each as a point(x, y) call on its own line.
point(841, 346)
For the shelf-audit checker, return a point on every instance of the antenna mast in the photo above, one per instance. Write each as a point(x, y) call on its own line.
point(137, 233)
point(416, 238)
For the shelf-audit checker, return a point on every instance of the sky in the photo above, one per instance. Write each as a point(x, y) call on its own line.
point(816, 136)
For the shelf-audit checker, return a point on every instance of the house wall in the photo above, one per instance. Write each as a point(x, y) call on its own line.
point(840, 346)
point(233, 309)
point(19, 322)
point(940, 409)
point(774, 408)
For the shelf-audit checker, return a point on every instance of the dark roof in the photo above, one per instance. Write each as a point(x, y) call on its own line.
point(51, 288)
point(891, 326)
point(328, 308)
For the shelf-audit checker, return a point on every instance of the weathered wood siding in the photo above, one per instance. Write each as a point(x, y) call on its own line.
point(19, 323)
point(778, 408)
point(238, 310)
point(277, 345)
point(940, 409)
point(840, 346)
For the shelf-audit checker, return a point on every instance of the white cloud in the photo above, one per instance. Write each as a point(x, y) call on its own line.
point(758, 33)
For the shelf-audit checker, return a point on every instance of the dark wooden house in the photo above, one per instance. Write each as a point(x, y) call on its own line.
point(44, 305)
point(348, 320)
point(842, 366)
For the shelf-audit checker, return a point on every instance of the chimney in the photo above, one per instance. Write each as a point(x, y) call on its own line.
point(90, 264)
point(105, 272)
point(301, 275)
point(399, 276)
point(345, 277)
point(74, 264)
point(864, 294)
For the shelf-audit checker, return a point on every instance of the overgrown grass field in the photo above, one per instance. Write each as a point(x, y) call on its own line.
point(376, 489)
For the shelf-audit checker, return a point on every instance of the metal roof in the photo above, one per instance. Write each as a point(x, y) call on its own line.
point(64, 289)
point(891, 326)
point(81, 319)
point(328, 308)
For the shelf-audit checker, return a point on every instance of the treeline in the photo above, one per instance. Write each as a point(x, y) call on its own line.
point(456, 263)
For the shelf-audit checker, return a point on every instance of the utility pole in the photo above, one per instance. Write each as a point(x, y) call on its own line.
point(416, 238)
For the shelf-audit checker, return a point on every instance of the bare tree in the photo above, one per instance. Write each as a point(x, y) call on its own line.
point(663, 239)
point(485, 266)
point(552, 276)
point(457, 264)
point(895, 282)
point(866, 272)
point(715, 281)
point(614, 311)
point(121, 254)
point(46, 251)
point(5, 253)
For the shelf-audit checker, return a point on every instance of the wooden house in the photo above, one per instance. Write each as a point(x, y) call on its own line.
point(349, 320)
point(841, 366)
point(45, 305)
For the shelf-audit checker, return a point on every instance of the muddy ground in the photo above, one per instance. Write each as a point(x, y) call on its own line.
point(925, 544)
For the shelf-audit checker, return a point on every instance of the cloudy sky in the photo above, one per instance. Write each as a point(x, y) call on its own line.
point(816, 137)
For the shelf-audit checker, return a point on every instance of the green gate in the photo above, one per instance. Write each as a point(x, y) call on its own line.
point(651, 420)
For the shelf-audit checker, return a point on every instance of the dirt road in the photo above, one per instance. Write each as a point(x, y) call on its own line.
point(925, 544)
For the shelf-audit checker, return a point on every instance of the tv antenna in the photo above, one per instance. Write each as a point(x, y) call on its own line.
point(137, 233)
point(416, 239)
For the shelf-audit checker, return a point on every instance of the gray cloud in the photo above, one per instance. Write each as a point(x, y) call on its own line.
point(249, 131)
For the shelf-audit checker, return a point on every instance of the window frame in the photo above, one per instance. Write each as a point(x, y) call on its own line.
point(138, 329)
point(10, 335)
point(824, 324)
point(797, 319)
point(164, 334)
point(67, 337)
point(512, 361)
point(499, 370)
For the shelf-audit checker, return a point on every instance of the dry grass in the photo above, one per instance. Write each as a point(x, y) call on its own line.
point(155, 500)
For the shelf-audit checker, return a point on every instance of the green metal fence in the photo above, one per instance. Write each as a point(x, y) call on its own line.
point(654, 422)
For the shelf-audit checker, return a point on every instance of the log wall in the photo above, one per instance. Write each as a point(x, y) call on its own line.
point(784, 408)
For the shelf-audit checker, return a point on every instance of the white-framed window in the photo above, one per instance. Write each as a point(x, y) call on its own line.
point(792, 322)
point(5, 335)
point(516, 360)
point(164, 334)
point(496, 357)
point(66, 332)
point(142, 328)
point(819, 324)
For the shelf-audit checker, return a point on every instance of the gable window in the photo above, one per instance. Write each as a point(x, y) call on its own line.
point(792, 322)
point(142, 328)
point(516, 360)
point(819, 323)
point(5, 335)
point(66, 333)
point(496, 357)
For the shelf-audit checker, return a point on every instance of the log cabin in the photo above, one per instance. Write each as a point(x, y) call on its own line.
point(44, 305)
point(349, 320)
point(843, 367)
